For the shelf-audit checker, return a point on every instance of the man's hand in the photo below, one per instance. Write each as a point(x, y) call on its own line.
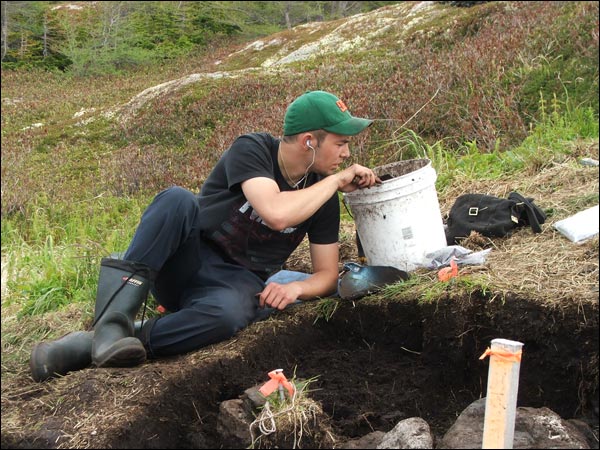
point(322, 282)
point(356, 177)
point(276, 295)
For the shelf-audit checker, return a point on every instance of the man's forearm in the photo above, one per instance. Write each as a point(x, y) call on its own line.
point(293, 207)
point(320, 284)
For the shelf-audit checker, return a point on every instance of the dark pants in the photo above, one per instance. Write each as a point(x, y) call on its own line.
point(209, 299)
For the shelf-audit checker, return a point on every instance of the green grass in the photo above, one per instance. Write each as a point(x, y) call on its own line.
point(428, 289)
point(326, 308)
point(53, 252)
point(549, 138)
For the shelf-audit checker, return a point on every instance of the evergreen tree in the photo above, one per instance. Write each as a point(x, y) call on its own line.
point(100, 37)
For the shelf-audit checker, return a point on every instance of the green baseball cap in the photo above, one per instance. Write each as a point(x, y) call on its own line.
point(320, 110)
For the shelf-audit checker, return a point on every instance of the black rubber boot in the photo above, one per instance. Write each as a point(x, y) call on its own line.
point(142, 332)
point(66, 354)
point(123, 287)
point(140, 328)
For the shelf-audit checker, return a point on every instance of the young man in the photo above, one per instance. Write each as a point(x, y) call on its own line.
point(214, 260)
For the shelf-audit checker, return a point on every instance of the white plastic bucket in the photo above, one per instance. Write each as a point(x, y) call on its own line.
point(399, 221)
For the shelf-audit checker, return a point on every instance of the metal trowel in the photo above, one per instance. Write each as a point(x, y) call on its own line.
point(357, 281)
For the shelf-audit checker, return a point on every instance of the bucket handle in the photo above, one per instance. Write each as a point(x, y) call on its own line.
point(414, 136)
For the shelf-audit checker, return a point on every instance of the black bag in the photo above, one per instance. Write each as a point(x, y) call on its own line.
point(492, 216)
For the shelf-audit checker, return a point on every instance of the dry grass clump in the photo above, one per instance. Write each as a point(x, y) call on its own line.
point(475, 241)
point(546, 266)
point(294, 422)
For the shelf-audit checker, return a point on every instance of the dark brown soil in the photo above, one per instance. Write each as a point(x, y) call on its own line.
point(377, 362)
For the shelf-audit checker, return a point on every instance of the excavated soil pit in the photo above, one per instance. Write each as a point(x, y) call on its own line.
point(376, 362)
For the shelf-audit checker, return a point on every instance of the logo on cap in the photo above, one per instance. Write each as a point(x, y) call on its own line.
point(341, 105)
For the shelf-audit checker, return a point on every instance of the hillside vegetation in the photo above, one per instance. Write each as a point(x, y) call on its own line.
point(481, 74)
point(93, 38)
point(81, 157)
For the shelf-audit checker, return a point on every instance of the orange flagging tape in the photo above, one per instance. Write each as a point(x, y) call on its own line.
point(277, 377)
point(448, 272)
point(503, 355)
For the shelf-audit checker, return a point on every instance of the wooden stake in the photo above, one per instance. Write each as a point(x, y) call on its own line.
point(502, 389)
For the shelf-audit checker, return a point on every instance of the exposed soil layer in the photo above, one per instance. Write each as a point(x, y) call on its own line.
point(377, 363)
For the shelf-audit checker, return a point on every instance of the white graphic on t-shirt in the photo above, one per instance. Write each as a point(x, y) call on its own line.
point(256, 218)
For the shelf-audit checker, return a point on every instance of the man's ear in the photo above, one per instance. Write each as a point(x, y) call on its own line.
point(307, 140)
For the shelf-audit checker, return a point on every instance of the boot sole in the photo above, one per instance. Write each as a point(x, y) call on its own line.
point(127, 355)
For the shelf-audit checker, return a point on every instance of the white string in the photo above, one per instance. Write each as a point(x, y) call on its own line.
point(266, 419)
point(267, 416)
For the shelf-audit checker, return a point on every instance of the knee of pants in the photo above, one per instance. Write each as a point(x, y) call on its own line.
point(177, 196)
point(222, 320)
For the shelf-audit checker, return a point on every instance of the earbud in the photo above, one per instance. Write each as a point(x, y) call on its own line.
point(308, 144)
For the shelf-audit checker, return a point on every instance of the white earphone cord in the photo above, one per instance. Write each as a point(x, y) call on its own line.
point(309, 166)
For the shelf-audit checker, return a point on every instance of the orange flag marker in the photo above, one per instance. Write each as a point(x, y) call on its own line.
point(448, 272)
point(277, 379)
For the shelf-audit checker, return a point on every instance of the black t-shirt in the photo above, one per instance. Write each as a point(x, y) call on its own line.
point(229, 221)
